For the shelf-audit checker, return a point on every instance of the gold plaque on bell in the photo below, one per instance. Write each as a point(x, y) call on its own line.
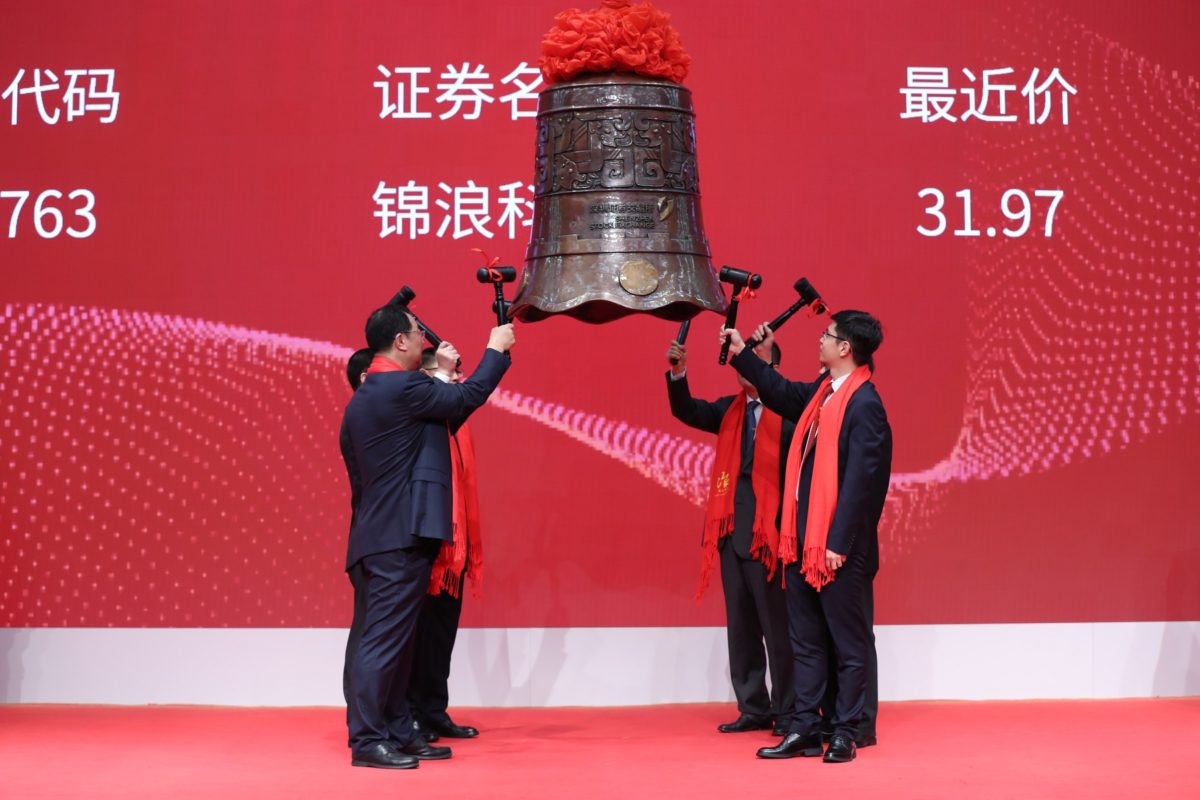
point(639, 277)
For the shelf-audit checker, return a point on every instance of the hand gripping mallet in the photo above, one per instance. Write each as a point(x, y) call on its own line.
point(744, 284)
point(681, 337)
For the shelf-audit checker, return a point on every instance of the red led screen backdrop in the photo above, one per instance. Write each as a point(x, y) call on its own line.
point(200, 203)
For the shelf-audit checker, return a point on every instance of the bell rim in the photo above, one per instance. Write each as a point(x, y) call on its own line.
point(613, 77)
point(528, 312)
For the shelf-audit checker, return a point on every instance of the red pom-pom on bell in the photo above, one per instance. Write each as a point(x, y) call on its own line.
point(617, 37)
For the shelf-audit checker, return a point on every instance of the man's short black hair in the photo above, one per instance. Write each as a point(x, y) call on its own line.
point(384, 324)
point(357, 365)
point(862, 331)
point(429, 358)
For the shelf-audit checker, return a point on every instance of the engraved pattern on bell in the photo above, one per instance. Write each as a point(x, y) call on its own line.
point(639, 277)
point(616, 182)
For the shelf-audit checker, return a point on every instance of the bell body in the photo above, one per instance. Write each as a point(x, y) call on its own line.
point(616, 225)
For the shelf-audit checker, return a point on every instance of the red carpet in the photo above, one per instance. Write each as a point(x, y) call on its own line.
point(975, 751)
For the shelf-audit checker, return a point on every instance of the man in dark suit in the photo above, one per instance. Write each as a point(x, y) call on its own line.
point(356, 372)
point(397, 421)
point(838, 472)
point(755, 607)
point(437, 625)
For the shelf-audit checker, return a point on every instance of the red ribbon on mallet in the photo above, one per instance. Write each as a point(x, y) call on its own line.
point(489, 264)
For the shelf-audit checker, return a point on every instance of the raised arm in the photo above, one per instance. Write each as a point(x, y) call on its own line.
point(785, 398)
point(429, 398)
point(700, 414)
point(453, 402)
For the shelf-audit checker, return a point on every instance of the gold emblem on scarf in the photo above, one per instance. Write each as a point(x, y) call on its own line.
point(722, 484)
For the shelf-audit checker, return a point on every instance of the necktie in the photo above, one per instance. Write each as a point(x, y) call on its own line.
point(748, 428)
point(810, 436)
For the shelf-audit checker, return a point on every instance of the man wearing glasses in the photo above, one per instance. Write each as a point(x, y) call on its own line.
point(837, 476)
point(741, 532)
point(397, 423)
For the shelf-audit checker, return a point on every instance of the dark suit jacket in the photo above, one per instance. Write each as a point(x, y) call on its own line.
point(398, 424)
point(706, 416)
point(864, 457)
point(347, 448)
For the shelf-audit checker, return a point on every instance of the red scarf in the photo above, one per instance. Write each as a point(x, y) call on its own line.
point(764, 476)
point(384, 364)
point(822, 496)
point(465, 549)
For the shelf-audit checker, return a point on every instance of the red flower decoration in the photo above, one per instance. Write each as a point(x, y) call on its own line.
point(618, 36)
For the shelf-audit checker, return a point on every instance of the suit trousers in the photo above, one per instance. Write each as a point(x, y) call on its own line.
point(396, 582)
point(832, 626)
point(437, 628)
point(871, 709)
point(756, 614)
point(358, 581)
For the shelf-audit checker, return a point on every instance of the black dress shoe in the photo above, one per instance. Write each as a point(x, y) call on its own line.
point(841, 749)
point(866, 740)
point(425, 751)
point(794, 744)
point(383, 755)
point(424, 732)
point(745, 722)
point(447, 728)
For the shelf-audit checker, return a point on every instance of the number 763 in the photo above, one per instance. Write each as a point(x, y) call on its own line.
point(48, 219)
point(1015, 205)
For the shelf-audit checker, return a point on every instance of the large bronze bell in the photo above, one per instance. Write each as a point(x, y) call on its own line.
point(616, 220)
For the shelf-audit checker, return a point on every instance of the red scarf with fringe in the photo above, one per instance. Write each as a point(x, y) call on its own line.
point(823, 494)
point(465, 549)
point(764, 476)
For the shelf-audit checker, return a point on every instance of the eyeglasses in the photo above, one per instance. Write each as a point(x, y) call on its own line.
point(833, 336)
